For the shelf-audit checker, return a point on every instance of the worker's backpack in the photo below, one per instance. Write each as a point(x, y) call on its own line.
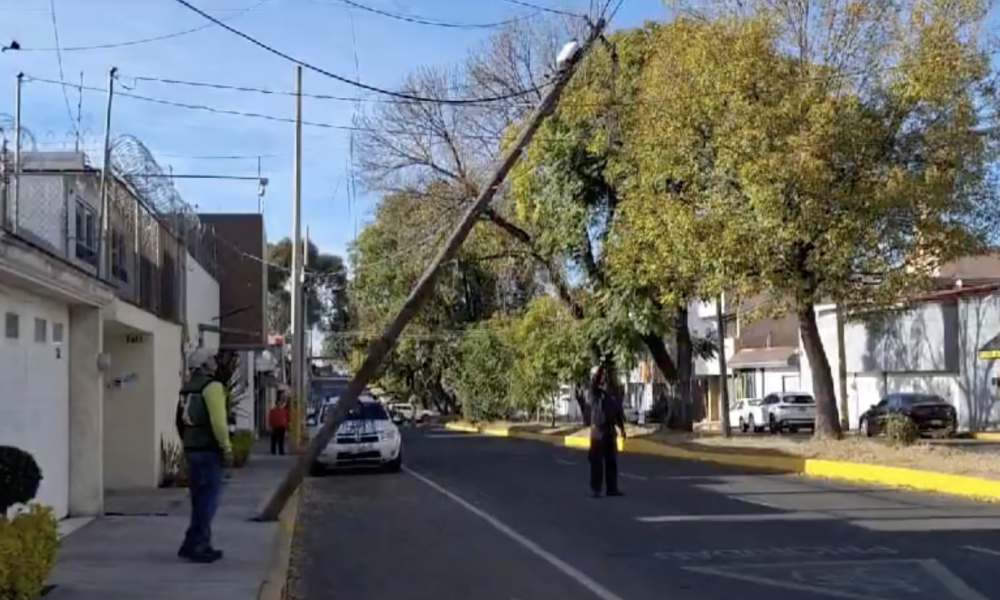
point(598, 419)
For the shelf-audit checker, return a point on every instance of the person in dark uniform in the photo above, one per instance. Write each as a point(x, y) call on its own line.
point(606, 418)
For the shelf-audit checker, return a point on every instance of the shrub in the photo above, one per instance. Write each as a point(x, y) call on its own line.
point(900, 429)
point(242, 444)
point(20, 477)
point(28, 546)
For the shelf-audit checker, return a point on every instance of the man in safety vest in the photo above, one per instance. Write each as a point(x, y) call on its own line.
point(203, 428)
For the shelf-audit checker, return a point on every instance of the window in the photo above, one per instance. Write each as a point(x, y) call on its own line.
point(41, 331)
point(118, 264)
point(798, 399)
point(86, 232)
point(12, 326)
point(57, 333)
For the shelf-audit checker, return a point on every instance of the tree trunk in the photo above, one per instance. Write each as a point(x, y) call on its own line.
point(827, 419)
point(661, 356)
point(682, 413)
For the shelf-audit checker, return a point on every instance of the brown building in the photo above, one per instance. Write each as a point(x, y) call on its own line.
point(240, 242)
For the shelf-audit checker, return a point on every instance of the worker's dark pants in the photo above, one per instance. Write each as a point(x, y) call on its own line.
point(604, 464)
point(205, 469)
point(278, 440)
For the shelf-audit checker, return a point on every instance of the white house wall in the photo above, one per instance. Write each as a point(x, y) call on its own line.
point(202, 304)
point(930, 348)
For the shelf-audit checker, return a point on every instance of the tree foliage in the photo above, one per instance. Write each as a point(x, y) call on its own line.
point(324, 289)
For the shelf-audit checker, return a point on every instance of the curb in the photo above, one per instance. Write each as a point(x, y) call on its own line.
point(987, 436)
point(275, 583)
point(966, 486)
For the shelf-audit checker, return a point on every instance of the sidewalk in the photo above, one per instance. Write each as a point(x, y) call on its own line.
point(132, 552)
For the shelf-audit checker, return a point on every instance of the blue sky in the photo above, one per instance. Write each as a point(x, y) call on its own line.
point(317, 31)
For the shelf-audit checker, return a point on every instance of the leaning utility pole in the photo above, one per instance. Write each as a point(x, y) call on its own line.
point(381, 347)
point(845, 417)
point(298, 322)
point(15, 208)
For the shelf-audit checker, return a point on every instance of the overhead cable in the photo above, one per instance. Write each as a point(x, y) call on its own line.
point(341, 78)
point(140, 41)
point(429, 22)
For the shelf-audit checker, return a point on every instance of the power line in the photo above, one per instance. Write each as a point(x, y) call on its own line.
point(148, 40)
point(548, 9)
point(425, 21)
point(341, 78)
point(59, 60)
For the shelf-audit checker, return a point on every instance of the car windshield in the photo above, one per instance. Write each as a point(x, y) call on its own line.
point(754, 402)
point(911, 399)
point(368, 411)
point(803, 399)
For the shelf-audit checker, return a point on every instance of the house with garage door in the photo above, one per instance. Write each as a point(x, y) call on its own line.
point(945, 342)
point(94, 299)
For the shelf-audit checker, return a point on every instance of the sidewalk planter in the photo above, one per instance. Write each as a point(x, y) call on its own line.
point(29, 539)
point(173, 467)
point(242, 445)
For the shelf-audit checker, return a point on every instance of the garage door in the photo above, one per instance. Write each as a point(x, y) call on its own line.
point(34, 388)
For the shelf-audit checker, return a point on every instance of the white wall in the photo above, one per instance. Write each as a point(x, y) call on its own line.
point(201, 304)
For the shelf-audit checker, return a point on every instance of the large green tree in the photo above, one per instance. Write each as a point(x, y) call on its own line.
point(825, 151)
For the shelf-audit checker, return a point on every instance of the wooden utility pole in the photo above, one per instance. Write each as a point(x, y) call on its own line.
point(382, 346)
point(720, 323)
point(298, 322)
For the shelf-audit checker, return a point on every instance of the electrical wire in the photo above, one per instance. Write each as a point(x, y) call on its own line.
point(149, 40)
point(424, 21)
point(341, 78)
point(548, 9)
point(59, 60)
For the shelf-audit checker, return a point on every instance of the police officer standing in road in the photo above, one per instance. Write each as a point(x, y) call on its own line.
point(606, 417)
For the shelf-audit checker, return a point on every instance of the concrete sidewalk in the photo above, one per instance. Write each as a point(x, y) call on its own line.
point(132, 552)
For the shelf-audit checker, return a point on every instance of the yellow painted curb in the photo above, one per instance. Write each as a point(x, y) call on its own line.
point(987, 436)
point(275, 584)
point(582, 442)
point(496, 431)
point(459, 426)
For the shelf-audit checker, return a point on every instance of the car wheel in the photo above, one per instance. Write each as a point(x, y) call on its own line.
point(773, 425)
point(751, 425)
point(743, 425)
point(395, 466)
point(866, 426)
point(793, 430)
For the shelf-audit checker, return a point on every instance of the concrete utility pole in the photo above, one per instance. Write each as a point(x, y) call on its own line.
point(381, 347)
point(727, 427)
point(16, 204)
point(102, 243)
point(845, 417)
point(298, 322)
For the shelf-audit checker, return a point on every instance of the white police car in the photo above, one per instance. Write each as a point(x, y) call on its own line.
point(366, 438)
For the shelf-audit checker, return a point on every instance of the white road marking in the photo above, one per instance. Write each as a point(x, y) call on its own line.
point(636, 477)
point(919, 579)
point(597, 589)
point(982, 550)
point(759, 518)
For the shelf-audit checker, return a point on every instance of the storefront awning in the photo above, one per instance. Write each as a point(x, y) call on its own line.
point(778, 357)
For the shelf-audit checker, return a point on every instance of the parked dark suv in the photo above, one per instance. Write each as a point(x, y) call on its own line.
point(929, 412)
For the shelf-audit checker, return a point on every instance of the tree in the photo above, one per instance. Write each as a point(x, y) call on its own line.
point(324, 289)
point(387, 259)
point(817, 146)
point(481, 371)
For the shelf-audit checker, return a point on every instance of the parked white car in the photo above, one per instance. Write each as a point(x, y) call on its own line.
point(367, 437)
point(409, 412)
point(748, 415)
point(789, 410)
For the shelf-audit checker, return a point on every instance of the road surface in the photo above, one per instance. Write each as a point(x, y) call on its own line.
point(506, 519)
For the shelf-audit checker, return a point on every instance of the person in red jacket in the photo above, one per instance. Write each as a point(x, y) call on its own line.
point(277, 422)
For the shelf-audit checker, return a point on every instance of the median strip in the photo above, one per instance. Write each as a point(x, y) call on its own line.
point(747, 455)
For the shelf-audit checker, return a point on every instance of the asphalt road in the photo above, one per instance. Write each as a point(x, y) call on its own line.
point(505, 519)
